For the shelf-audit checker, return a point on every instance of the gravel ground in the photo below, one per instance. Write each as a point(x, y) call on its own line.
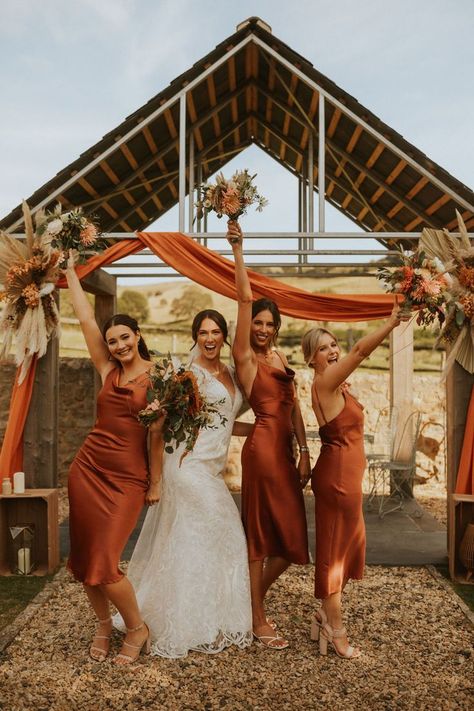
point(418, 653)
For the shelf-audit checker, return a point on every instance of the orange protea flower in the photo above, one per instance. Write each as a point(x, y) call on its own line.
point(467, 302)
point(194, 396)
point(407, 281)
point(31, 295)
point(230, 201)
point(88, 235)
point(466, 277)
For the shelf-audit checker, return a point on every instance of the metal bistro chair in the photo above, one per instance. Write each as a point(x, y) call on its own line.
point(395, 475)
point(383, 440)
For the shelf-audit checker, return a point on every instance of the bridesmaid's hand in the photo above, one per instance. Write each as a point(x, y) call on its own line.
point(234, 234)
point(304, 469)
point(153, 493)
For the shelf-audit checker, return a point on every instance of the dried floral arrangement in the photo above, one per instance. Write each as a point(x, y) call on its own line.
point(437, 281)
point(70, 230)
point(423, 283)
point(231, 197)
point(456, 252)
point(29, 271)
point(176, 390)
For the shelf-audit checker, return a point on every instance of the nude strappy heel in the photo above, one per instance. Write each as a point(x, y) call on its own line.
point(328, 635)
point(317, 623)
point(129, 659)
point(96, 653)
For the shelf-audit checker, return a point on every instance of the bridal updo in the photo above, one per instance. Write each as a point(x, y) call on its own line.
point(215, 316)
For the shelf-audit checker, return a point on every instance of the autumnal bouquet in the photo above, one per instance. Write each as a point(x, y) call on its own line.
point(457, 253)
point(187, 411)
point(230, 197)
point(422, 281)
point(28, 273)
point(70, 230)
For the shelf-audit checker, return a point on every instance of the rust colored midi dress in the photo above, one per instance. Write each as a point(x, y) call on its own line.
point(337, 486)
point(107, 482)
point(273, 512)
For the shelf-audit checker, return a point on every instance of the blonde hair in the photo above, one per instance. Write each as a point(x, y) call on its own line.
point(310, 343)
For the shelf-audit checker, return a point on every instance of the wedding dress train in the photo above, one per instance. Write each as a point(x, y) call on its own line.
point(189, 567)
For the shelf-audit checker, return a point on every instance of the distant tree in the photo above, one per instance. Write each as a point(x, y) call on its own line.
point(134, 304)
point(190, 302)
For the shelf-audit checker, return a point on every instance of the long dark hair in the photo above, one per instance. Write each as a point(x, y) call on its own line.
point(215, 316)
point(268, 305)
point(132, 323)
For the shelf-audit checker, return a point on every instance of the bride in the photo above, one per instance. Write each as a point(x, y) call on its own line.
point(189, 567)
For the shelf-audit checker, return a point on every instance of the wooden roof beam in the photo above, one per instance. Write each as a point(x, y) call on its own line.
point(290, 169)
point(330, 174)
point(193, 117)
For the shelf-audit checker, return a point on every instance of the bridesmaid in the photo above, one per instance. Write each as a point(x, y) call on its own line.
point(110, 479)
point(273, 511)
point(337, 476)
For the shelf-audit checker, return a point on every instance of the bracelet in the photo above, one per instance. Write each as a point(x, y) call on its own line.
point(304, 448)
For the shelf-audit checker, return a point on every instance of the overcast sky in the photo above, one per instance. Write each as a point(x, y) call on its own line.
point(70, 71)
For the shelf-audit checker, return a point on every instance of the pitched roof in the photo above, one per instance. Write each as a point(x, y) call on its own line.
point(253, 88)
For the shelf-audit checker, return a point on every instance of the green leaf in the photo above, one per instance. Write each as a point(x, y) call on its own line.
point(459, 317)
point(169, 450)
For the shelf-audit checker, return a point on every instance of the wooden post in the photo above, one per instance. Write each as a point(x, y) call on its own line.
point(401, 386)
point(40, 437)
point(459, 384)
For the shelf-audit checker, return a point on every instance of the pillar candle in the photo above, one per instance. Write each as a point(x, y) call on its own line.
point(24, 563)
point(19, 483)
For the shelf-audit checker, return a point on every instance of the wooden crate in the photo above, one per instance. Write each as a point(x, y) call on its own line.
point(39, 507)
point(461, 512)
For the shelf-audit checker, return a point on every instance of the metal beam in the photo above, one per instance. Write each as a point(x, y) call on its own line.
point(182, 160)
point(321, 165)
point(191, 182)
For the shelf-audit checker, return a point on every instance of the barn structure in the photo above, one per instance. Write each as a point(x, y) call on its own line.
point(253, 89)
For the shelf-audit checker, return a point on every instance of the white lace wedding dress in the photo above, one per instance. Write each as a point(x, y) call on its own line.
point(189, 567)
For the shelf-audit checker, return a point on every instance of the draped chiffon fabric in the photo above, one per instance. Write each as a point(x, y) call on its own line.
point(216, 273)
point(273, 511)
point(107, 482)
point(337, 487)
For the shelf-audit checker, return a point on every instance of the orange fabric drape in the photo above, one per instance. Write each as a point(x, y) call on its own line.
point(11, 456)
point(465, 477)
point(214, 272)
point(217, 273)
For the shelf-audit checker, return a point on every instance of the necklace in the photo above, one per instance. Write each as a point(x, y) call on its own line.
point(268, 355)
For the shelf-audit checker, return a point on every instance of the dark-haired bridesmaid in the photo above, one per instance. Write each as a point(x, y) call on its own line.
point(111, 477)
point(273, 511)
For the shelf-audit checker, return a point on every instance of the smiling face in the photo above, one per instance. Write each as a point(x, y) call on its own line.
point(210, 339)
point(262, 330)
point(327, 352)
point(122, 343)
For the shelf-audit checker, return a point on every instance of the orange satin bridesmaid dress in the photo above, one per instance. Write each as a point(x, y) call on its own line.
point(273, 511)
point(337, 486)
point(107, 482)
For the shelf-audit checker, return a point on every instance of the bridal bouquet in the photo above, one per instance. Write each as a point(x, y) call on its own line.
point(70, 230)
point(187, 411)
point(422, 281)
point(230, 197)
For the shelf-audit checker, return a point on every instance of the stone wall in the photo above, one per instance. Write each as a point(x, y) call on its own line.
point(76, 406)
point(76, 416)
